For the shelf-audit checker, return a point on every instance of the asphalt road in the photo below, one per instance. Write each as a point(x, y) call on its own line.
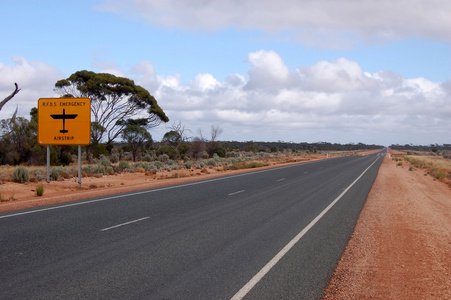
point(203, 240)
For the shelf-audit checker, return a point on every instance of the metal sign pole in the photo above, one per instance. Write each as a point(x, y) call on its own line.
point(48, 163)
point(79, 165)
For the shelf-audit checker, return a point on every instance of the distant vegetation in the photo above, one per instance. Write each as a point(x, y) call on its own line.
point(18, 146)
point(432, 148)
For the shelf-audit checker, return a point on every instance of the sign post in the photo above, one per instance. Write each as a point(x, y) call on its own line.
point(64, 121)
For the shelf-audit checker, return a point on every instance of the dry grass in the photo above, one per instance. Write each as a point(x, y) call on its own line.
point(437, 166)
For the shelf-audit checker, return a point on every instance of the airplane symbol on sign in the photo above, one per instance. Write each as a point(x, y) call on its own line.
point(64, 117)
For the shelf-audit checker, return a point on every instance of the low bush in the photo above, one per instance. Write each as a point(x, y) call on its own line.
point(140, 170)
point(249, 165)
point(164, 158)
point(40, 190)
point(211, 162)
point(155, 165)
point(143, 165)
point(21, 175)
point(124, 165)
point(109, 170)
point(104, 161)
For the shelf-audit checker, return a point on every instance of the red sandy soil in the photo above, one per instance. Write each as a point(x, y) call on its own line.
point(401, 246)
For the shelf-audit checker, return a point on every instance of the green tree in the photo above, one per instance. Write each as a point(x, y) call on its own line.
point(177, 139)
point(172, 138)
point(18, 141)
point(95, 147)
point(114, 101)
point(136, 136)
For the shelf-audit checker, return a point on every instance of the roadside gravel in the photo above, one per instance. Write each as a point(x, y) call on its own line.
point(401, 246)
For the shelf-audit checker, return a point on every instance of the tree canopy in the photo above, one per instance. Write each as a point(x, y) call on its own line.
point(115, 101)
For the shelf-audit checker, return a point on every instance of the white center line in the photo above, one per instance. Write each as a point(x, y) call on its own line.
point(281, 179)
point(127, 223)
point(234, 193)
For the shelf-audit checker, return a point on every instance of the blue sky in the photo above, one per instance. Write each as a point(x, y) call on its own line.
point(336, 71)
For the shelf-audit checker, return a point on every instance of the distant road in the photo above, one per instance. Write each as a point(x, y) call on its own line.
point(203, 240)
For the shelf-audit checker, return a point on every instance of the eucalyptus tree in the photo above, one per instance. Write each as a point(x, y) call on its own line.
point(115, 101)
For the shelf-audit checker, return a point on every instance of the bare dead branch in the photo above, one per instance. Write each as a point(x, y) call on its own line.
point(10, 96)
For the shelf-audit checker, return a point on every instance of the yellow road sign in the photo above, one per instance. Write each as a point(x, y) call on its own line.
point(64, 121)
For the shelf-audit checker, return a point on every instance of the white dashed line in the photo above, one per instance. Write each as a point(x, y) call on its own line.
point(234, 193)
point(127, 223)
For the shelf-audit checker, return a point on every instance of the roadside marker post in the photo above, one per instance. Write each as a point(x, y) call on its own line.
point(64, 121)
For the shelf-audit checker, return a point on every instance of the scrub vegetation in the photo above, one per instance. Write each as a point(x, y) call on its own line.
point(434, 161)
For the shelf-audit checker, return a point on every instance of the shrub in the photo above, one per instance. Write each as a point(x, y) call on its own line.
point(153, 169)
point(54, 174)
point(21, 175)
point(100, 170)
point(40, 190)
point(211, 162)
point(150, 156)
point(109, 170)
point(58, 172)
point(104, 161)
point(124, 165)
point(141, 165)
point(114, 158)
point(168, 150)
point(164, 158)
point(188, 165)
point(140, 170)
point(157, 164)
point(254, 164)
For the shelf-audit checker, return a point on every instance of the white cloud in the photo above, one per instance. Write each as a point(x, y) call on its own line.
point(35, 79)
point(204, 82)
point(332, 101)
point(269, 71)
point(328, 23)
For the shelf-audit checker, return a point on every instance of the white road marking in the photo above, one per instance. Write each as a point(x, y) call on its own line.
point(306, 172)
point(281, 179)
point(127, 223)
point(234, 193)
point(248, 286)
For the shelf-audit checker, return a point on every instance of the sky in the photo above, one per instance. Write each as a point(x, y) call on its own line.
point(348, 71)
